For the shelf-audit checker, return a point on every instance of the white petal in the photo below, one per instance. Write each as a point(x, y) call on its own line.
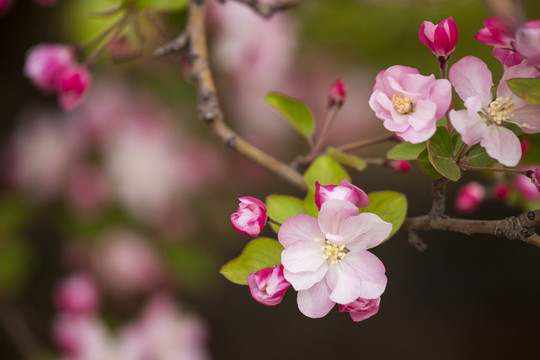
point(370, 270)
point(364, 231)
point(315, 301)
point(471, 77)
point(305, 280)
point(301, 227)
point(502, 144)
point(344, 282)
point(333, 213)
point(470, 127)
point(303, 256)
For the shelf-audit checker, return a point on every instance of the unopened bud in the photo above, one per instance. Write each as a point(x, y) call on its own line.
point(337, 94)
point(398, 165)
point(501, 191)
point(441, 39)
point(268, 285)
point(469, 197)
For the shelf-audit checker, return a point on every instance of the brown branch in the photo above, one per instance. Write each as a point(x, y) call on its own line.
point(174, 46)
point(209, 110)
point(368, 142)
point(438, 193)
point(266, 10)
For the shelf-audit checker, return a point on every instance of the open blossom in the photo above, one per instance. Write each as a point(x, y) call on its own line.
point(441, 39)
point(497, 32)
point(485, 118)
point(343, 191)
point(361, 309)
point(527, 42)
point(250, 217)
point(469, 197)
point(326, 259)
point(409, 103)
point(268, 285)
point(45, 63)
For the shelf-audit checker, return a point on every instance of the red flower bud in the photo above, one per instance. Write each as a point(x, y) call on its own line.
point(337, 94)
point(441, 39)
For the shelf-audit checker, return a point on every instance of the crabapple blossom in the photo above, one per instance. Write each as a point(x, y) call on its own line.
point(398, 165)
point(485, 118)
point(250, 217)
point(469, 197)
point(409, 103)
point(497, 32)
point(45, 64)
point(77, 294)
point(343, 191)
point(527, 42)
point(441, 39)
point(361, 309)
point(268, 285)
point(507, 57)
point(337, 94)
point(526, 188)
point(326, 259)
point(73, 84)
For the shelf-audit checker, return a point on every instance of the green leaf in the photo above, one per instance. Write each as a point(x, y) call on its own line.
point(282, 207)
point(441, 155)
point(310, 207)
point(293, 111)
point(478, 156)
point(406, 151)
point(327, 171)
point(14, 264)
point(347, 159)
point(527, 89)
point(167, 5)
point(258, 254)
point(390, 206)
point(425, 165)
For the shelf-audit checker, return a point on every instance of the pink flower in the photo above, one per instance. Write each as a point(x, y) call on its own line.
point(343, 191)
point(469, 197)
point(527, 42)
point(46, 63)
point(410, 103)
point(73, 84)
point(361, 309)
point(507, 57)
point(441, 39)
point(77, 294)
point(398, 165)
point(326, 259)
point(497, 32)
point(80, 336)
point(526, 188)
point(485, 118)
point(250, 217)
point(337, 94)
point(268, 285)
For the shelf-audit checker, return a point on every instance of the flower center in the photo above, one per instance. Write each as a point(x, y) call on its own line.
point(402, 105)
point(499, 111)
point(333, 252)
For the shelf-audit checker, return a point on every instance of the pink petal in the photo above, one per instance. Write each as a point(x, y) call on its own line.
point(305, 280)
point(315, 302)
point(300, 227)
point(471, 77)
point(502, 144)
point(303, 256)
point(345, 283)
point(333, 213)
point(441, 95)
point(364, 231)
point(371, 270)
point(513, 72)
point(417, 136)
point(527, 116)
point(423, 115)
point(388, 80)
point(471, 128)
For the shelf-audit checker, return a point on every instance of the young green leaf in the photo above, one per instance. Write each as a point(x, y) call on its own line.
point(350, 160)
point(294, 112)
point(425, 165)
point(478, 156)
point(258, 254)
point(441, 155)
point(166, 5)
point(327, 171)
point(406, 151)
point(390, 206)
point(282, 207)
point(527, 89)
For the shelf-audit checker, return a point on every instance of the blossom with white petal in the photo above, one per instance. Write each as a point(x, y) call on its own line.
point(344, 191)
point(326, 259)
point(485, 118)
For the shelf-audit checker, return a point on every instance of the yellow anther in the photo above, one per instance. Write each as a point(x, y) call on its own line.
point(333, 252)
point(500, 111)
point(402, 104)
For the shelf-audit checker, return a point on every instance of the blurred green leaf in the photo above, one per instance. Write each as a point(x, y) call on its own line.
point(406, 151)
point(441, 155)
point(282, 207)
point(390, 206)
point(167, 5)
point(478, 156)
point(527, 89)
point(426, 166)
point(350, 160)
point(258, 254)
point(293, 111)
point(14, 264)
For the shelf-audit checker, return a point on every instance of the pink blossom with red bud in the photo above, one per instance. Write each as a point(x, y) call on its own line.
point(45, 63)
point(501, 191)
point(497, 32)
point(343, 191)
point(337, 94)
point(469, 197)
point(398, 165)
point(441, 39)
point(526, 188)
point(527, 42)
point(361, 309)
point(507, 57)
point(250, 217)
point(77, 294)
point(268, 285)
point(73, 85)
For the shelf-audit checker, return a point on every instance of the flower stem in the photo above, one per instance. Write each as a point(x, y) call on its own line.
point(272, 221)
point(330, 117)
point(503, 170)
point(368, 142)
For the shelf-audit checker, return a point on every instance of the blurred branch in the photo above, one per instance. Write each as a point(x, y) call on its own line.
point(209, 109)
point(266, 10)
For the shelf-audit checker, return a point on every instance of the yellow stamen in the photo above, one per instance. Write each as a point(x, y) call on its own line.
point(333, 252)
point(402, 104)
point(500, 111)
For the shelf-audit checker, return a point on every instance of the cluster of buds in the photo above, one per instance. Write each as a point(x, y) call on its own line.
point(53, 69)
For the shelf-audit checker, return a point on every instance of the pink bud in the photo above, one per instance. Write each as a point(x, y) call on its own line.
point(250, 217)
point(77, 294)
point(501, 191)
point(46, 2)
point(343, 191)
point(441, 39)
point(497, 32)
point(398, 165)
point(526, 187)
point(469, 197)
point(45, 64)
point(268, 285)
point(507, 57)
point(337, 94)
point(361, 309)
point(4, 6)
point(527, 42)
point(73, 85)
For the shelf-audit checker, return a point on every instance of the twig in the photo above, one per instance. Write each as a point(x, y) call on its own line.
point(438, 192)
point(173, 46)
point(368, 142)
point(266, 10)
point(503, 170)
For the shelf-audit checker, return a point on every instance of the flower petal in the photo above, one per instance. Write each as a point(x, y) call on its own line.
point(315, 302)
point(303, 256)
point(471, 77)
point(470, 127)
point(305, 280)
point(423, 115)
point(333, 213)
point(502, 144)
point(300, 227)
point(344, 281)
point(371, 270)
point(364, 231)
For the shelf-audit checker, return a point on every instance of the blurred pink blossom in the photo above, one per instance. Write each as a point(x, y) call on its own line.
point(78, 294)
point(398, 165)
point(45, 63)
point(469, 197)
point(501, 191)
point(497, 32)
point(527, 42)
point(73, 84)
point(88, 190)
point(526, 188)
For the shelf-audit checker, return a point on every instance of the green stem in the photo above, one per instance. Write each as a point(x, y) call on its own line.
point(502, 170)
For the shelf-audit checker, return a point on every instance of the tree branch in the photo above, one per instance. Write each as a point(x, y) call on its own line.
point(266, 10)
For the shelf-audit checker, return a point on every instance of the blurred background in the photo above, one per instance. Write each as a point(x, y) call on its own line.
point(125, 201)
